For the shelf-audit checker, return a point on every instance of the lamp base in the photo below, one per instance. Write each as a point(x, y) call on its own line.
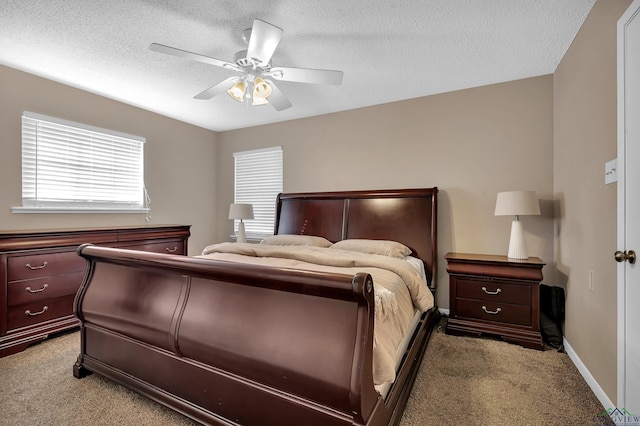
point(517, 247)
point(241, 236)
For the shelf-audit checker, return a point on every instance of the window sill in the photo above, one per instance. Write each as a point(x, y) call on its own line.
point(77, 210)
point(250, 239)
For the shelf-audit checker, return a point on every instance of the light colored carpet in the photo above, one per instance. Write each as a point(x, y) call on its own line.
point(462, 381)
point(479, 381)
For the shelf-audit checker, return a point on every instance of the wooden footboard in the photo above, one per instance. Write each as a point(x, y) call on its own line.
point(227, 343)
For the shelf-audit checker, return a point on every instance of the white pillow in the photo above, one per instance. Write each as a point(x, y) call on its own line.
point(382, 247)
point(418, 264)
point(296, 240)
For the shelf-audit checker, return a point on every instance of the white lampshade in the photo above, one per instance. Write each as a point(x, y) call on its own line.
point(517, 203)
point(240, 211)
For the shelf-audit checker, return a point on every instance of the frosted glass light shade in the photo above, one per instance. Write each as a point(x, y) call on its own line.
point(261, 88)
point(237, 90)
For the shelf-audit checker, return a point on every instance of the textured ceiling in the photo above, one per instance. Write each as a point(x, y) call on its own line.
point(388, 50)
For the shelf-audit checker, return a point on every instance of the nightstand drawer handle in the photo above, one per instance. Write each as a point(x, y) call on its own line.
point(28, 312)
point(44, 287)
point(36, 267)
point(491, 292)
point(496, 312)
point(173, 250)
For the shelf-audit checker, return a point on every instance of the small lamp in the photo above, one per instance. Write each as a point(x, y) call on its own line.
point(517, 203)
point(241, 211)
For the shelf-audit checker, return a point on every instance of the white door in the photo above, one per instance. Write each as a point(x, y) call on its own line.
point(629, 209)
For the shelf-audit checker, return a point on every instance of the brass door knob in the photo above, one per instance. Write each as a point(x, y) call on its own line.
point(629, 256)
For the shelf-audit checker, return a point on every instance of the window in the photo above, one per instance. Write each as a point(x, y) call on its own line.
point(258, 181)
point(68, 166)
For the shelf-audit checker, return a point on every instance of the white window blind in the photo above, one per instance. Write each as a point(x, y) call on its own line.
point(258, 181)
point(68, 166)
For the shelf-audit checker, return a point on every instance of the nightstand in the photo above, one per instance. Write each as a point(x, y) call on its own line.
point(495, 295)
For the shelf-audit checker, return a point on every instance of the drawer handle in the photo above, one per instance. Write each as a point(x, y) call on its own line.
point(44, 287)
point(33, 268)
point(491, 292)
point(496, 312)
point(173, 250)
point(28, 312)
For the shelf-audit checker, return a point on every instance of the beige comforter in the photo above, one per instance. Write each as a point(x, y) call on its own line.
point(398, 288)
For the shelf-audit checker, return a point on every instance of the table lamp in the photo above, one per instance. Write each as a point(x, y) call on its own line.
point(517, 203)
point(241, 211)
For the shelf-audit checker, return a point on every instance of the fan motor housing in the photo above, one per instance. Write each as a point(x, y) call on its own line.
point(240, 58)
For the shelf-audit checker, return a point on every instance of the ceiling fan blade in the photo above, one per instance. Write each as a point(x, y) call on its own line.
point(221, 87)
point(277, 99)
point(263, 41)
point(156, 47)
point(306, 75)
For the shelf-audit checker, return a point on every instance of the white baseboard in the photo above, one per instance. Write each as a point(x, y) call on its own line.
point(591, 381)
point(443, 311)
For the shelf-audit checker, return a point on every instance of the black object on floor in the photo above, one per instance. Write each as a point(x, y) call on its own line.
point(552, 301)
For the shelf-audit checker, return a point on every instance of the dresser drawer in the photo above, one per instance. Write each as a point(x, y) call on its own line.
point(43, 265)
point(38, 289)
point(491, 311)
point(166, 247)
point(493, 290)
point(41, 311)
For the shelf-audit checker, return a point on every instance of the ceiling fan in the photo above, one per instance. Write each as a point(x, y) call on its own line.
point(255, 82)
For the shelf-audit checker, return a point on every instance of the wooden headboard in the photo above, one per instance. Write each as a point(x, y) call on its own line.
point(408, 216)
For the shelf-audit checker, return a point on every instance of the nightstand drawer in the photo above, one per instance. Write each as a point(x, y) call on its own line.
point(489, 311)
point(493, 290)
point(31, 291)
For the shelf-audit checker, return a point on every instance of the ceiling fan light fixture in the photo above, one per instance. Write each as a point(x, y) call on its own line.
point(237, 90)
point(258, 100)
point(254, 63)
point(261, 88)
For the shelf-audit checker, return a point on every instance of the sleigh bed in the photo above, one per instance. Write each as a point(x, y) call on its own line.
point(224, 340)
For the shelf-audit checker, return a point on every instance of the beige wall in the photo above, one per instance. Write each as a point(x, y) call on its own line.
point(471, 144)
point(584, 139)
point(178, 158)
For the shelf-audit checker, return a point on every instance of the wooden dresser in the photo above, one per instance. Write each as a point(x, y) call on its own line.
point(495, 295)
point(40, 274)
